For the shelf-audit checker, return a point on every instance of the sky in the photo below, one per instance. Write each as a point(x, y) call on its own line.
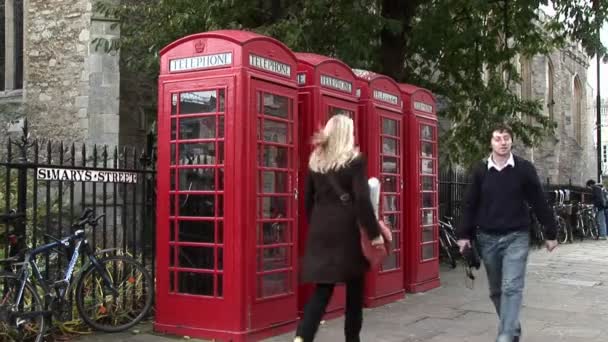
point(592, 70)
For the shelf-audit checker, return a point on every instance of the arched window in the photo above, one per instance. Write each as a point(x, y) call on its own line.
point(11, 44)
point(526, 78)
point(577, 109)
point(550, 83)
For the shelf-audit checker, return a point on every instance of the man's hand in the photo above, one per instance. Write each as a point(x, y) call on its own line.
point(463, 243)
point(551, 244)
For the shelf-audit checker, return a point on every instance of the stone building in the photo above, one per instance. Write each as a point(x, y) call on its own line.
point(559, 81)
point(51, 73)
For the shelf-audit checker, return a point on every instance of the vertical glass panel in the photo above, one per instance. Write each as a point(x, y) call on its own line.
point(390, 203)
point(220, 285)
point(173, 154)
point(196, 231)
point(389, 184)
point(273, 232)
point(197, 205)
point(172, 205)
point(273, 207)
point(220, 128)
point(259, 102)
point(220, 178)
point(427, 217)
point(390, 146)
point(428, 183)
point(275, 105)
point(340, 111)
point(220, 206)
point(220, 231)
point(220, 153)
point(396, 243)
point(428, 234)
point(220, 258)
point(273, 156)
point(426, 132)
point(198, 102)
point(392, 221)
point(172, 179)
point(171, 234)
point(222, 97)
point(197, 154)
point(426, 166)
point(390, 164)
point(173, 129)
point(390, 262)
point(427, 200)
point(426, 149)
point(273, 284)
point(197, 179)
point(274, 182)
point(173, 104)
point(196, 257)
point(275, 131)
point(390, 127)
point(273, 258)
point(195, 283)
point(197, 128)
point(428, 251)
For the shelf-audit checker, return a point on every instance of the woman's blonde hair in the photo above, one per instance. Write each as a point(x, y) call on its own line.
point(334, 145)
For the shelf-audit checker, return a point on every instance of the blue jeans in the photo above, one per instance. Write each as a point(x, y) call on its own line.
point(600, 216)
point(505, 258)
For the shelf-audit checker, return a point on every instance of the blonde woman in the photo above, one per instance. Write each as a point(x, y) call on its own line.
point(333, 248)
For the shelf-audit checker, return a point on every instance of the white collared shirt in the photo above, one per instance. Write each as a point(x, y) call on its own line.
point(510, 161)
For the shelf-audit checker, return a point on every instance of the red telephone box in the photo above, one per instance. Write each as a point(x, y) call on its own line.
point(382, 136)
point(421, 241)
point(227, 180)
point(326, 89)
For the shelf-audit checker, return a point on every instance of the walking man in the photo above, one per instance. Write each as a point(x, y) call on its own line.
point(496, 213)
point(597, 197)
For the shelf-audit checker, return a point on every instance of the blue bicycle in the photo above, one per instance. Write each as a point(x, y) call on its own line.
point(112, 293)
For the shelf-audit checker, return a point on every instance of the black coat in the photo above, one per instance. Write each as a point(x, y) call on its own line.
point(333, 246)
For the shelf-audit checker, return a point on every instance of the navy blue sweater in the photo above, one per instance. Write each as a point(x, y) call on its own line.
point(498, 202)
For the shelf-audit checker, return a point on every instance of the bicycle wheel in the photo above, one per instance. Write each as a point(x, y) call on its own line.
point(592, 228)
point(15, 325)
point(562, 231)
point(106, 310)
point(447, 251)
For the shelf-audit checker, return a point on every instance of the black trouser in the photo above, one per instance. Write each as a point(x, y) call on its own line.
point(315, 308)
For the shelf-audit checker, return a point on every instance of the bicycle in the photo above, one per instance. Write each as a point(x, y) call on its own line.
point(447, 240)
point(112, 294)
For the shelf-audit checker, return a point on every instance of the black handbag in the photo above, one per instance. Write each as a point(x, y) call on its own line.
point(472, 259)
point(471, 256)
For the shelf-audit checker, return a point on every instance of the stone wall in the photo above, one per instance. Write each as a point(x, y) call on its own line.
point(562, 158)
point(57, 34)
point(70, 90)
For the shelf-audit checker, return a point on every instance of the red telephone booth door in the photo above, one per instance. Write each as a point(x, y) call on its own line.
point(275, 155)
point(193, 262)
point(391, 201)
point(334, 106)
point(428, 217)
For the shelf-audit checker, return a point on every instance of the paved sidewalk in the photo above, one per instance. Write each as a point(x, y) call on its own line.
point(566, 300)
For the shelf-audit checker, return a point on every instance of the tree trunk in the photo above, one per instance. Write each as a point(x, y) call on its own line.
point(393, 44)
